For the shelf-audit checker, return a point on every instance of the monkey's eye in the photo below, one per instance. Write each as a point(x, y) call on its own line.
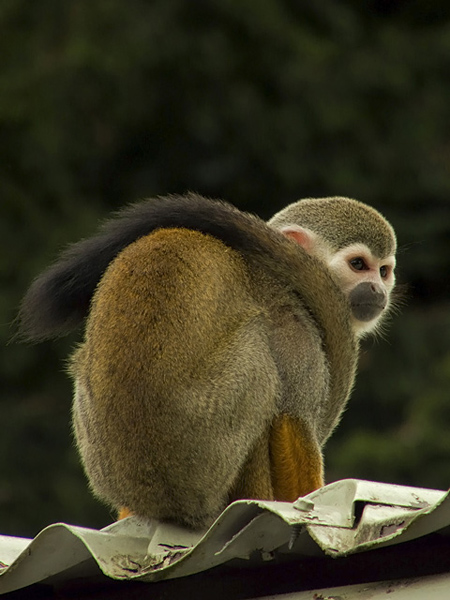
point(384, 271)
point(358, 264)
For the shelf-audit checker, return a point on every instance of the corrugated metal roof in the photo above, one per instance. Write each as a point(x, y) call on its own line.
point(341, 519)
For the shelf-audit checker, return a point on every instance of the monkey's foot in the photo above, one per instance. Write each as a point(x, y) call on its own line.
point(123, 513)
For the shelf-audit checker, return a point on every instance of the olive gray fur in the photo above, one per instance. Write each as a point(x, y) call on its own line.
point(341, 222)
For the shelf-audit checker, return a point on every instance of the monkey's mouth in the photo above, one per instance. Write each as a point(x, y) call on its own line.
point(367, 311)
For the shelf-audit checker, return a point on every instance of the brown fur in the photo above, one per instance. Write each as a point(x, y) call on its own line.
point(186, 363)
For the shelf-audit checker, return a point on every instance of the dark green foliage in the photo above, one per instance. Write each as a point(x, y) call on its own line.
point(258, 103)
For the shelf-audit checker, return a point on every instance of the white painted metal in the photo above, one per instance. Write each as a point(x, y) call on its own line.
point(342, 518)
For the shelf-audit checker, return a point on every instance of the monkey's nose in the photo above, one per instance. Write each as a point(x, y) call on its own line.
point(378, 293)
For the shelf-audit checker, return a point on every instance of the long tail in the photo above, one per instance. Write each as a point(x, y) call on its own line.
point(59, 299)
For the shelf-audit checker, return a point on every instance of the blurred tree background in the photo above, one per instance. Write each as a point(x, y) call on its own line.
point(260, 103)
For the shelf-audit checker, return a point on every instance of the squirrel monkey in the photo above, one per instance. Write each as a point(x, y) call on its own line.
point(219, 350)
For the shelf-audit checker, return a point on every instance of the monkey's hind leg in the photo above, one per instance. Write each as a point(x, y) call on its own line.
point(296, 459)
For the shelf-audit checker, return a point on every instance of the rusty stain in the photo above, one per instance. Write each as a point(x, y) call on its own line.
point(390, 528)
point(156, 563)
point(126, 563)
point(420, 502)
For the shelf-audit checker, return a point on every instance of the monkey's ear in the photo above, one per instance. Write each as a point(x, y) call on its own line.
point(305, 237)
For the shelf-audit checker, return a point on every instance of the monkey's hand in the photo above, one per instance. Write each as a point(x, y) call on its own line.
point(295, 459)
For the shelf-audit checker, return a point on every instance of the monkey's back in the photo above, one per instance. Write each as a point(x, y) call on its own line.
point(175, 381)
point(215, 365)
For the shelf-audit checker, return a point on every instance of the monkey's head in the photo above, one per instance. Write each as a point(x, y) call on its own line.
point(357, 244)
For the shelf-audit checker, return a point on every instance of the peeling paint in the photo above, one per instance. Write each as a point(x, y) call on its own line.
point(341, 519)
